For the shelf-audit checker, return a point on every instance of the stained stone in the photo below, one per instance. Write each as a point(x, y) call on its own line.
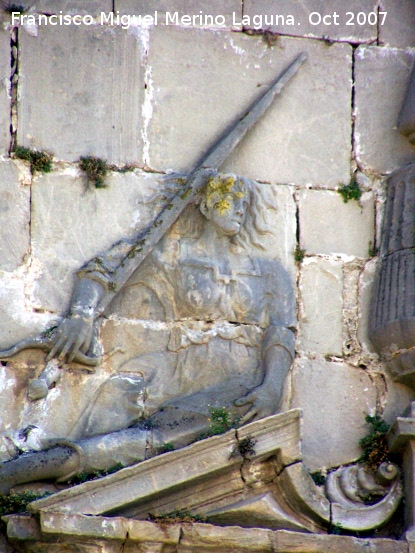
point(338, 227)
point(398, 30)
point(397, 399)
point(80, 92)
point(17, 322)
point(294, 542)
point(381, 80)
point(14, 217)
point(335, 399)
point(73, 7)
point(49, 418)
point(295, 142)
point(146, 537)
point(191, 8)
point(343, 27)
point(72, 222)
point(365, 303)
point(321, 289)
point(204, 537)
point(5, 56)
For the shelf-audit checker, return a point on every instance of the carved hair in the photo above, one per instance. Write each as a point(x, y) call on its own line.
point(259, 201)
point(256, 223)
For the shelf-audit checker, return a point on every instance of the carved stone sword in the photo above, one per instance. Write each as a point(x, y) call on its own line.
point(213, 160)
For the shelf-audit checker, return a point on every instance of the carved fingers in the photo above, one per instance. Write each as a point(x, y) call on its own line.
point(74, 335)
point(252, 413)
point(264, 404)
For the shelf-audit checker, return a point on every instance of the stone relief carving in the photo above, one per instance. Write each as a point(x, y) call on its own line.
point(229, 319)
point(234, 352)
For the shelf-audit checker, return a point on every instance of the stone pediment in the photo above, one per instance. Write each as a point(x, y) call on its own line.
point(226, 478)
point(252, 477)
point(249, 483)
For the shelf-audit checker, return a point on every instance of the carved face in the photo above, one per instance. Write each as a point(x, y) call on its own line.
point(228, 221)
point(225, 203)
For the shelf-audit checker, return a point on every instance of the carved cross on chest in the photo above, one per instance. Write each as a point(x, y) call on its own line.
point(232, 275)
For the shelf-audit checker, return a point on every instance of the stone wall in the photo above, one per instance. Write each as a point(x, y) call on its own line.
point(156, 97)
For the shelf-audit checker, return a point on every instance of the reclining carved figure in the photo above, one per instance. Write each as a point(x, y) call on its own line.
point(231, 317)
point(236, 352)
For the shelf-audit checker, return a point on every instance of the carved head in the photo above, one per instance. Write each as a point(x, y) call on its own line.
point(223, 194)
point(225, 201)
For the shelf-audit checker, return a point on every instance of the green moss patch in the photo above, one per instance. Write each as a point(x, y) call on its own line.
point(40, 160)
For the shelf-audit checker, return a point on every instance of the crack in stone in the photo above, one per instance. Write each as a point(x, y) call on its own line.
point(242, 464)
point(378, 381)
point(378, 25)
point(181, 536)
point(167, 325)
point(298, 271)
point(14, 77)
point(124, 543)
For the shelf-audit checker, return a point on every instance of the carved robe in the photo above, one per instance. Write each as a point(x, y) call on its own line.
point(222, 312)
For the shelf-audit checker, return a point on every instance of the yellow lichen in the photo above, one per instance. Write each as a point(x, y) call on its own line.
point(220, 191)
point(223, 206)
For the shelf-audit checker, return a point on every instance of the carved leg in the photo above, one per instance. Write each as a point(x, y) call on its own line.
point(40, 465)
point(63, 461)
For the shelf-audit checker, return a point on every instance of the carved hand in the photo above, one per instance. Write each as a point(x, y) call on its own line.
point(264, 403)
point(74, 335)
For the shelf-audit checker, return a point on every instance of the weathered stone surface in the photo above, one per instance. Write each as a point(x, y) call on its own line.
point(381, 80)
point(204, 537)
point(351, 273)
point(366, 280)
point(398, 30)
point(142, 531)
point(5, 56)
point(23, 528)
point(338, 227)
point(85, 97)
point(14, 217)
point(293, 542)
point(94, 527)
point(138, 348)
point(260, 512)
point(17, 320)
point(397, 399)
point(307, 18)
point(320, 319)
point(133, 488)
point(335, 398)
point(72, 222)
point(162, 484)
point(146, 537)
point(406, 119)
point(283, 429)
point(280, 243)
point(52, 417)
point(73, 7)
point(304, 496)
point(224, 9)
point(293, 142)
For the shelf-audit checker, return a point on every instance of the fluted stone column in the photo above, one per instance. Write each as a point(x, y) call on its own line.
point(392, 324)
